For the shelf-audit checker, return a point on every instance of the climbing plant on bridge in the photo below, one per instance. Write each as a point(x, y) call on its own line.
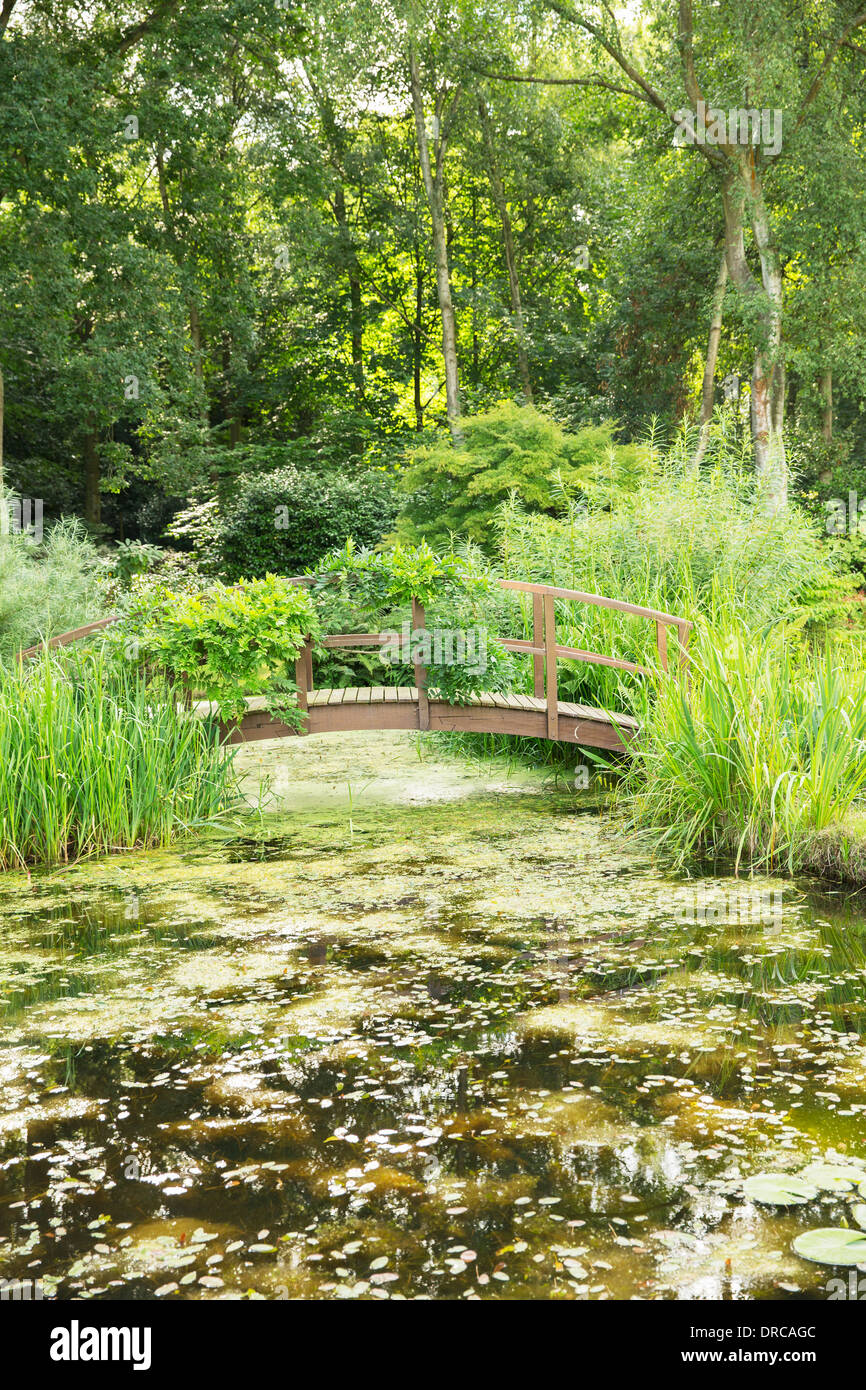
point(456, 592)
point(225, 642)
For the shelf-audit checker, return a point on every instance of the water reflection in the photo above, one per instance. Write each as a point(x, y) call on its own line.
point(485, 1061)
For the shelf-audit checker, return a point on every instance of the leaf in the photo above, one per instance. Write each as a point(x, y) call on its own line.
point(859, 1214)
point(832, 1177)
point(779, 1189)
point(832, 1245)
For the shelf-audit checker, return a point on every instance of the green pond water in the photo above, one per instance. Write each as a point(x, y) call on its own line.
point(420, 1030)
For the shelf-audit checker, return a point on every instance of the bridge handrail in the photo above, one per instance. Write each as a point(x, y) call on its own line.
point(543, 648)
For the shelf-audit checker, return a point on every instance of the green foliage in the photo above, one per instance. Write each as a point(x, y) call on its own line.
point(516, 451)
point(282, 522)
point(757, 754)
point(94, 757)
point(130, 558)
point(365, 585)
point(381, 579)
point(225, 642)
point(46, 587)
point(697, 546)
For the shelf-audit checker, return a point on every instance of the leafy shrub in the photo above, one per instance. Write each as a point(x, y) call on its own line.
point(510, 450)
point(94, 757)
point(46, 587)
point(282, 522)
point(225, 642)
point(353, 586)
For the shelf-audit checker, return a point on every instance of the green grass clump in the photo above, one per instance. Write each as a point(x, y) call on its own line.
point(46, 586)
point(759, 755)
point(95, 758)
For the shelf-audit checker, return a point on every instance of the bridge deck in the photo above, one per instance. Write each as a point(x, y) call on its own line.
point(398, 707)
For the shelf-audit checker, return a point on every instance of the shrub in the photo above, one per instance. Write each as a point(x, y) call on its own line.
point(94, 757)
point(282, 522)
point(510, 450)
point(46, 587)
point(224, 642)
point(354, 585)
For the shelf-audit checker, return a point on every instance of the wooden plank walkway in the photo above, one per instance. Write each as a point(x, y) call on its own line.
point(398, 707)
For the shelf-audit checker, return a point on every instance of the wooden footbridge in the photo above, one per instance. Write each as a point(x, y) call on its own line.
point(540, 715)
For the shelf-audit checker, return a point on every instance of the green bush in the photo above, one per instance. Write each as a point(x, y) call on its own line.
point(698, 547)
point(282, 522)
point(511, 450)
point(224, 642)
point(46, 587)
point(355, 587)
point(94, 757)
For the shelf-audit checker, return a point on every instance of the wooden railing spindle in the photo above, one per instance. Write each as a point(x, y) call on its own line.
point(550, 667)
point(662, 640)
point(537, 641)
point(419, 621)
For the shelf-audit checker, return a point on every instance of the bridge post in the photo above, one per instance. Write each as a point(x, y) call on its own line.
point(304, 674)
point(662, 642)
point(419, 621)
point(550, 664)
point(537, 641)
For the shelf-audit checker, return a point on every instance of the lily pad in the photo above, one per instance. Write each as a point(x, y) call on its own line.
point(779, 1189)
point(832, 1177)
point(832, 1245)
point(858, 1211)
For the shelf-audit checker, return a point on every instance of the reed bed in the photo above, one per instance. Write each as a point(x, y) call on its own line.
point(95, 758)
point(757, 756)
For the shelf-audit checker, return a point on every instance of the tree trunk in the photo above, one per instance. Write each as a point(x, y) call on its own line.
point(708, 388)
point(826, 408)
point(433, 175)
point(500, 200)
point(92, 496)
point(417, 341)
point(356, 308)
point(742, 184)
point(195, 338)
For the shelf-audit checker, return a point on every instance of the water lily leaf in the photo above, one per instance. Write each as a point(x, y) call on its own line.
point(779, 1189)
point(832, 1177)
point(858, 1211)
point(832, 1245)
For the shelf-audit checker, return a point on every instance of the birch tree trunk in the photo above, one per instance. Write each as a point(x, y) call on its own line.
point(708, 388)
point(742, 197)
point(499, 199)
point(433, 173)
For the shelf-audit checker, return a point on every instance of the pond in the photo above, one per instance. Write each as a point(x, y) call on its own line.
point(422, 1029)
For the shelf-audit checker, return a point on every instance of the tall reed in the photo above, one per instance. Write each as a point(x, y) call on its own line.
point(95, 758)
point(762, 750)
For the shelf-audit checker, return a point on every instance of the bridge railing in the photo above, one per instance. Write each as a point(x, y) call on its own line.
point(546, 651)
point(543, 647)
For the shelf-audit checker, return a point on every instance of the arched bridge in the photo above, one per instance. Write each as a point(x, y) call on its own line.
point(540, 715)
